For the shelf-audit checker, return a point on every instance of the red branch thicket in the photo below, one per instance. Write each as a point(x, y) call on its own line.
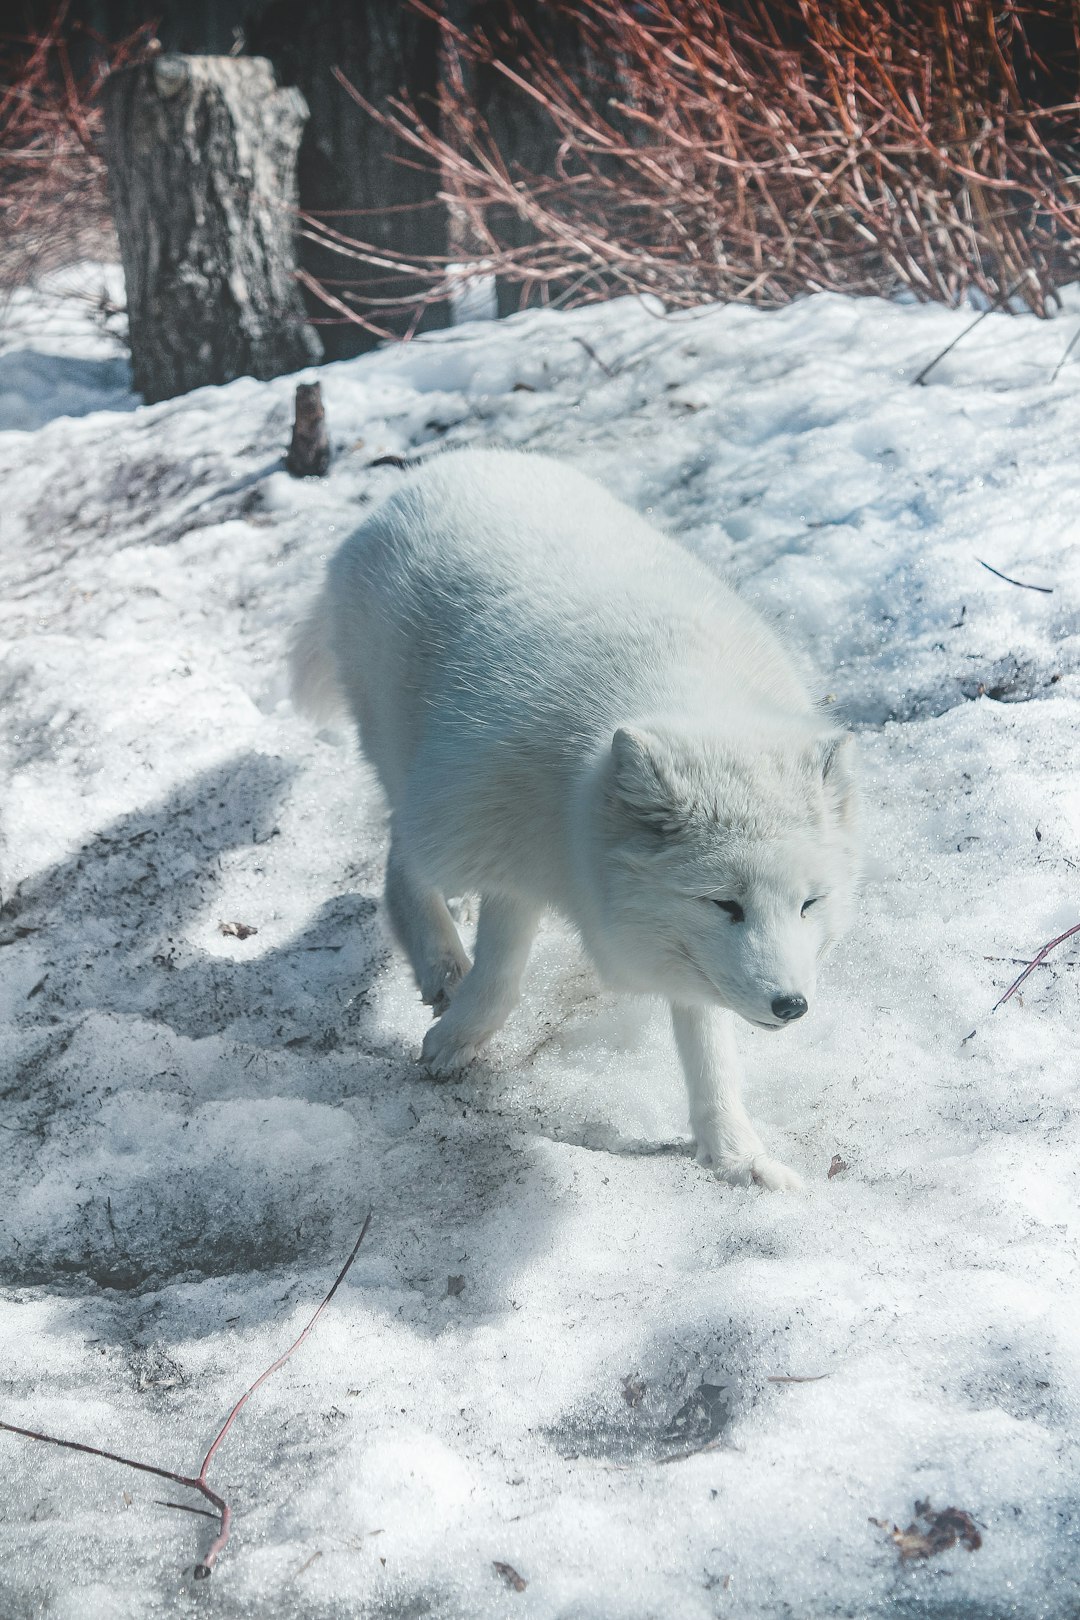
point(53, 202)
point(752, 150)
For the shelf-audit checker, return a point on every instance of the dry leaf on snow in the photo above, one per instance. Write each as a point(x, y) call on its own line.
point(938, 1530)
point(237, 930)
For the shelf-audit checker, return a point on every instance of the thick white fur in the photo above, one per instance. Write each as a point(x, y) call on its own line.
point(567, 710)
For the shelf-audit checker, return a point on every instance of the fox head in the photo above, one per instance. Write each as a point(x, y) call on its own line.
point(728, 863)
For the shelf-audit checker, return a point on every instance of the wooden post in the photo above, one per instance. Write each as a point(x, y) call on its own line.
point(309, 448)
point(202, 155)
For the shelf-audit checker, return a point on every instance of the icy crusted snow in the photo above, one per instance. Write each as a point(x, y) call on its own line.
point(193, 1126)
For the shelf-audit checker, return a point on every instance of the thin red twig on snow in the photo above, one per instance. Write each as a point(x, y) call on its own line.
point(1034, 963)
point(199, 1481)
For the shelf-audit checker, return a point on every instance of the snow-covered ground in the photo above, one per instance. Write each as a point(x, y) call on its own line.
point(193, 1125)
point(62, 349)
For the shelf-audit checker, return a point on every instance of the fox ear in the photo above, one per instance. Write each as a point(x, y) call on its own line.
point(645, 780)
point(836, 762)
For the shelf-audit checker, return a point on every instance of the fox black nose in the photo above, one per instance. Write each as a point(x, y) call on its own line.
point(788, 1007)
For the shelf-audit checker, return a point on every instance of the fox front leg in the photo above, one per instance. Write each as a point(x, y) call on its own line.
point(725, 1138)
point(489, 991)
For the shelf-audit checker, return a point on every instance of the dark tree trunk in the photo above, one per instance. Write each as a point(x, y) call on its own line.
point(349, 167)
point(202, 171)
point(524, 135)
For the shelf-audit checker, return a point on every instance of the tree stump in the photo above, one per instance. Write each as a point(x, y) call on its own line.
point(201, 153)
point(309, 448)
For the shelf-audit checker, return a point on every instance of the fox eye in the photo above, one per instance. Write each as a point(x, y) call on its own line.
point(808, 903)
point(733, 909)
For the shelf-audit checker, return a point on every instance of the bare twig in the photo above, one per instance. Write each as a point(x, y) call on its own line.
point(1047, 590)
point(1014, 961)
point(592, 354)
point(306, 1565)
point(1034, 963)
point(949, 347)
point(199, 1481)
point(1073, 341)
point(960, 336)
point(715, 1444)
point(791, 1378)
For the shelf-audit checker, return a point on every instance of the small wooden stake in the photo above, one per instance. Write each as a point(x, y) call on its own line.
point(309, 448)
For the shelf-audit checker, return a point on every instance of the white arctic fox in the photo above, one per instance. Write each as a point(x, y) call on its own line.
point(567, 710)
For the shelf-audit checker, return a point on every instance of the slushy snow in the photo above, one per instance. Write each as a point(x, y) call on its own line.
point(555, 1309)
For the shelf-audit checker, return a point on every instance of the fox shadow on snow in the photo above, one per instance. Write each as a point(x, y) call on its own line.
point(180, 1115)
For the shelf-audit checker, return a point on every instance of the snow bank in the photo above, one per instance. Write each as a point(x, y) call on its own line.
point(194, 1124)
point(62, 349)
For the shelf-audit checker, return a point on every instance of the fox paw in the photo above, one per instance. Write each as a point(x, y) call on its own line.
point(774, 1176)
point(440, 980)
point(446, 1050)
point(750, 1170)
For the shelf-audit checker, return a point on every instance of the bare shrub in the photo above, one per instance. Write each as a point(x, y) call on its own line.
point(754, 150)
point(54, 207)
